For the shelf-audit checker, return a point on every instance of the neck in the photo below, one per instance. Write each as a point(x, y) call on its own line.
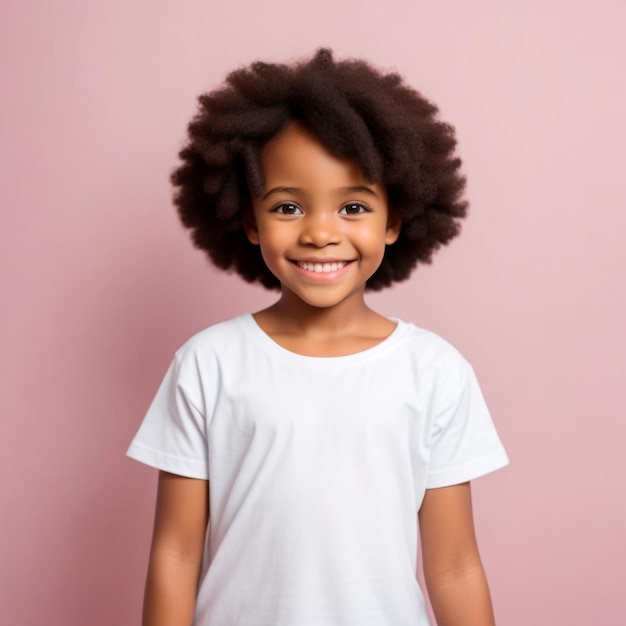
point(294, 316)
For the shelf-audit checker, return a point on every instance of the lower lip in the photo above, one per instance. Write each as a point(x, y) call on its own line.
point(322, 276)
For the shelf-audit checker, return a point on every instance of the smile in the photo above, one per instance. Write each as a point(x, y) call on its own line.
point(321, 268)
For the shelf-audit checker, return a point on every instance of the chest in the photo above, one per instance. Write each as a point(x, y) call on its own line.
point(374, 402)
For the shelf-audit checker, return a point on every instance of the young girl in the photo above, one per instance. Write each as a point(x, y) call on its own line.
point(302, 448)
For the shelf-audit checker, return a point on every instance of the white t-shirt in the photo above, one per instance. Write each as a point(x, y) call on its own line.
point(317, 469)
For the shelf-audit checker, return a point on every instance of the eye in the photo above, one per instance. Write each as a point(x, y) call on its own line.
point(354, 208)
point(287, 208)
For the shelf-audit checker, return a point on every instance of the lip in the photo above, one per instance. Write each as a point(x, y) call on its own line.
point(316, 259)
point(318, 269)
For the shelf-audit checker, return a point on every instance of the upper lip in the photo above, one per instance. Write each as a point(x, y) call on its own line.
point(318, 260)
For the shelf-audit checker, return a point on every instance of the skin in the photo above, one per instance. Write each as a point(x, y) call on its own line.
point(181, 518)
point(318, 210)
point(455, 578)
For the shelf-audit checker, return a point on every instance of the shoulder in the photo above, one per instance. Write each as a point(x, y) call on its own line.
point(437, 365)
point(215, 340)
point(426, 345)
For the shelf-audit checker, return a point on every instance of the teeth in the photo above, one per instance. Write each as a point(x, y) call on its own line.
point(321, 268)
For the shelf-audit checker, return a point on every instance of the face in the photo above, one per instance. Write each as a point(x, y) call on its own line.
point(321, 226)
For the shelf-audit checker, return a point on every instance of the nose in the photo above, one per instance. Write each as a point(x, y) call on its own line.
point(319, 230)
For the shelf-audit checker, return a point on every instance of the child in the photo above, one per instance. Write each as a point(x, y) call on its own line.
point(317, 432)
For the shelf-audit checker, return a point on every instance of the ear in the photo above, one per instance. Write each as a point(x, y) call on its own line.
point(250, 227)
point(394, 224)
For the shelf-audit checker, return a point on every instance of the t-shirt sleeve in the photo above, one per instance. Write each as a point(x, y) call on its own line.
point(464, 443)
point(172, 436)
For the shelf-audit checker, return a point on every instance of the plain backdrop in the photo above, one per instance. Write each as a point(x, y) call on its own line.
point(99, 283)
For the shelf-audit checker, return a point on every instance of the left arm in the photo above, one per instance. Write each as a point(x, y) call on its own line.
point(453, 571)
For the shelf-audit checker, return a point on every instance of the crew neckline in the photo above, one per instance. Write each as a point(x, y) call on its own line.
point(264, 340)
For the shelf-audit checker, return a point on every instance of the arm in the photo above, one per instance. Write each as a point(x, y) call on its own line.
point(454, 574)
point(182, 513)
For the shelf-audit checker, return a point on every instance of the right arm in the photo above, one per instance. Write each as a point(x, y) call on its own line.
point(182, 515)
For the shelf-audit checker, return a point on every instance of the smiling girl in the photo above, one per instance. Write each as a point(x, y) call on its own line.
point(303, 449)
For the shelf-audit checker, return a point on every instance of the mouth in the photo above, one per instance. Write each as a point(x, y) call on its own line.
point(321, 267)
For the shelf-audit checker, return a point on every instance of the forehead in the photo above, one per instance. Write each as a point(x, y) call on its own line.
point(296, 153)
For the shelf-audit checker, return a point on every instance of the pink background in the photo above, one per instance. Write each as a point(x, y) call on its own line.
point(100, 285)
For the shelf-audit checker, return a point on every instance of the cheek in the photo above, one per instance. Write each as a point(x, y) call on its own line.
point(274, 243)
point(272, 238)
point(372, 238)
point(271, 257)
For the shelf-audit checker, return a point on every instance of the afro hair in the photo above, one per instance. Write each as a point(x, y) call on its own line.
point(358, 113)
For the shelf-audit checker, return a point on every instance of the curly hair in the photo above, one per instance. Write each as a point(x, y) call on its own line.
point(358, 113)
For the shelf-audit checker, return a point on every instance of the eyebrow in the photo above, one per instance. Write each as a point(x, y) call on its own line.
point(275, 190)
point(298, 191)
point(360, 189)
